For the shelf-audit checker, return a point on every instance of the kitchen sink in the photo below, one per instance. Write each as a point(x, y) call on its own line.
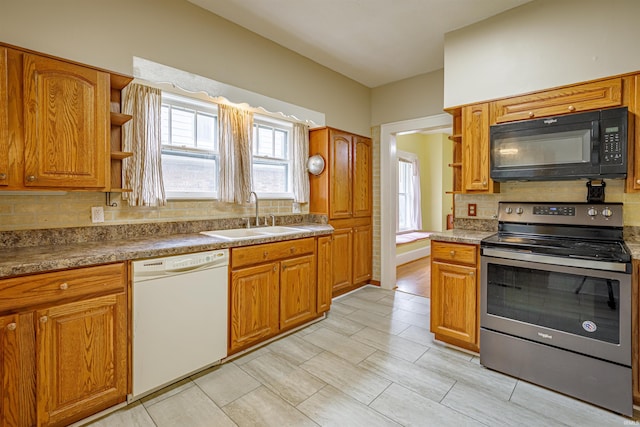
point(251, 233)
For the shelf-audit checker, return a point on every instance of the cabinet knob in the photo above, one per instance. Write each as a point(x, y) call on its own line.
point(531, 114)
point(11, 326)
point(275, 268)
point(64, 286)
point(484, 183)
point(265, 254)
point(31, 178)
point(3, 176)
point(472, 273)
point(637, 181)
point(452, 253)
point(572, 108)
point(44, 319)
point(292, 250)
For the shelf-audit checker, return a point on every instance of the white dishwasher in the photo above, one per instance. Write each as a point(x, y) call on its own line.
point(180, 306)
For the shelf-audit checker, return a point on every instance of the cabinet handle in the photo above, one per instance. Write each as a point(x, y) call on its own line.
point(452, 253)
point(12, 326)
point(31, 178)
point(531, 114)
point(3, 176)
point(572, 108)
point(64, 286)
point(44, 319)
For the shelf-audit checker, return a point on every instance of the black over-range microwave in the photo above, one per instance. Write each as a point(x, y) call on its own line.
point(591, 145)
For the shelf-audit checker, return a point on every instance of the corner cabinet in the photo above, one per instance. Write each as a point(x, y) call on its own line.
point(343, 192)
point(58, 121)
point(272, 288)
point(455, 294)
point(64, 345)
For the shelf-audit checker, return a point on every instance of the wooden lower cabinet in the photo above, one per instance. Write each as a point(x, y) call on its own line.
point(64, 357)
point(274, 287)
point(455, 294)
point(352, 254)
point(253, 305)
point(362, 253)
point(342, 260)
point(297, 291)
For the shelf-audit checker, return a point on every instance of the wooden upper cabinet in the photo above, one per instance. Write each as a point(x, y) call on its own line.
point(475, 148)
point(67, 125)
point(4, 118)
point(362, 185)
point(633, 167)
point(340, 203)
point(569, 99)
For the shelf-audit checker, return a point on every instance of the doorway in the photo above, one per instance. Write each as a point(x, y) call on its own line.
point(389, 183)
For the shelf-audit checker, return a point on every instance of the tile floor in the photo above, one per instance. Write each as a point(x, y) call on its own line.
point(372, 362)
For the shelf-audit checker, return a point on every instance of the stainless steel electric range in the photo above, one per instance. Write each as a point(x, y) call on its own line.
point(556, 300)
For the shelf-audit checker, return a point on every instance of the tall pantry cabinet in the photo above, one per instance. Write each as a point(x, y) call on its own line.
point(343, 192)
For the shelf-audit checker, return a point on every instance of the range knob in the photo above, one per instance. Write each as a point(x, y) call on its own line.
point(606, 212)
point(519, 211)
point(592, 212)
point(509, 210)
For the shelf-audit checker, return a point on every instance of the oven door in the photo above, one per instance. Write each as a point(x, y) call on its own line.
point(578, 309)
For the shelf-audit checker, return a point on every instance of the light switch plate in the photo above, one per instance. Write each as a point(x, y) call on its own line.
point(97, 214)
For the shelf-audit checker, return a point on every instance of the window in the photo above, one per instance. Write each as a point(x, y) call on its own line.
point(409, 211)
point(272, 171)
point(190, 158)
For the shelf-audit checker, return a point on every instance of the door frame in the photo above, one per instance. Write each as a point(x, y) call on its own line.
point(389, 184)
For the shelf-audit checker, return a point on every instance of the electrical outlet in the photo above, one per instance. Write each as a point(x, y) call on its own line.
point(471, 209)
point(97, 214)
point(295, 207)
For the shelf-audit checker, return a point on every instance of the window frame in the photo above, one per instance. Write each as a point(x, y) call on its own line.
point(202, 107)
point(411, 158)
point(274, 124)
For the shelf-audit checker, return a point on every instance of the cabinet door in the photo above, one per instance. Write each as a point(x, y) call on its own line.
point(81, 358)
point(297, 291)
point(362, 176)
point(340, 203)
point(362, 247)
point(569, 99)
point(454, 302)
point(325, 272)
point(9, 371)
point(475, 147)
point(633, 178)
point(253, 305)
point(66, 110)
point(342, 259)
point(4, 118)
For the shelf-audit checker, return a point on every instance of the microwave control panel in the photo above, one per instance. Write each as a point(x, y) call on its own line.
point(612, 149)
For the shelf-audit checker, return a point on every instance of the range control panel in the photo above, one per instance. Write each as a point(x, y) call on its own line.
point(606, 214)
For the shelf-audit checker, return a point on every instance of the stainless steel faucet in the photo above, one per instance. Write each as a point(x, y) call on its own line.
point(256, 197)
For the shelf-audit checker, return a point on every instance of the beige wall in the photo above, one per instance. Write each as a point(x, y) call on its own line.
point(179, 34)
point(416, 97)
point(541, 44)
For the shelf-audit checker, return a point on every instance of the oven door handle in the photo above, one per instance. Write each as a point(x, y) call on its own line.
point(546, 259)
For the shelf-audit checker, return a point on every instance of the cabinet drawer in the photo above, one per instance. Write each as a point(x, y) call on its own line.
point(454, 252)
point(572, 99)
point(271, 251)
point(22, 292)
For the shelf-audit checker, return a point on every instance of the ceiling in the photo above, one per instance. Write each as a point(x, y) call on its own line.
point(373, 42)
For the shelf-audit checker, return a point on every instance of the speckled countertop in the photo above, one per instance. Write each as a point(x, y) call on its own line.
point(35, 259)
point(459, 235)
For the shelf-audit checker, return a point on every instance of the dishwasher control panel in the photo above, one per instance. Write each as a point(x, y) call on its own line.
point(180, 263)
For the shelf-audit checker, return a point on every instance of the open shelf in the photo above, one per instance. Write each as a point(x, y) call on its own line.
point(456, 137)
point(118, 119)
point(119, 155)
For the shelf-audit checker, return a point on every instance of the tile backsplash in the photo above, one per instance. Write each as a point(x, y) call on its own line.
point(73, 209)
point(556, 191)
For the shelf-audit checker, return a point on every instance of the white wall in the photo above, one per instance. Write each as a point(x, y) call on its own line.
point(176, 33)
point(542, 44)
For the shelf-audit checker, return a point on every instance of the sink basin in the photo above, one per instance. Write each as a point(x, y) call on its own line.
point(236, 233)
point(251, 233)
point(278, 229)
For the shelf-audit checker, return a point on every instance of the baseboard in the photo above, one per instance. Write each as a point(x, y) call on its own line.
point(413, 255)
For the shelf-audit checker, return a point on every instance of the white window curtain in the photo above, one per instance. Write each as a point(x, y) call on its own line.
point(142, 172)
point(235, 130)
point(409, 206)
point(416, 202)
point(300, 155)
